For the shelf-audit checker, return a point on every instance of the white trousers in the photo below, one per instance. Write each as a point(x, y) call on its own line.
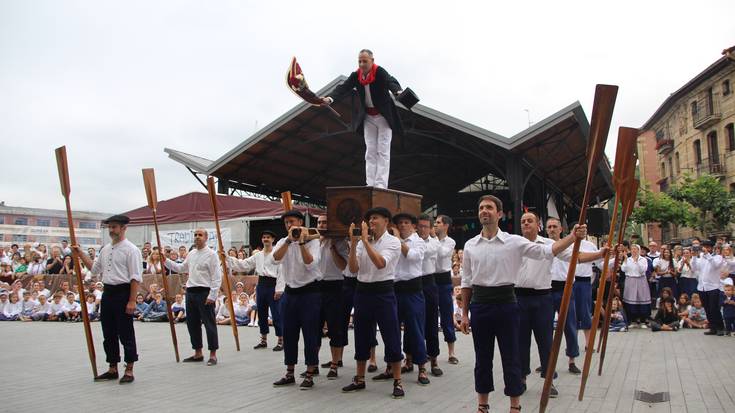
point(378, 135)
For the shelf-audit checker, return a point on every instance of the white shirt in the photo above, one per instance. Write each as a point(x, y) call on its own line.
point(73, 306)
point(410, 265)
point(444, 254)
point(204, 270)
point(584, 269)
point(428, 266)
point(41, 308)
point(536, 273)
point(45, 292)
point(635, 268)
point(13, 309)
point(685, 270)
point(57, 308)
point(36, 268)
point(388, 247)
point(329, 269)
point(662, 265)
point(296, 274)
point(708, 267)
point(119, 263)
point(496, 262)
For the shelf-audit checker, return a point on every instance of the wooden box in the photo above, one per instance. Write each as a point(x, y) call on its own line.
point(348, 204)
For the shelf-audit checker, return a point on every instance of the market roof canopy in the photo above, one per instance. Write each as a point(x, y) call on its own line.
point(196, 206)
point(308, 149)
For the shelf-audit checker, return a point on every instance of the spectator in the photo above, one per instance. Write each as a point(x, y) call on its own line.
point(618, 321)
point(154, 263)
point(36, 267)
point(140, 306)
point(6, 271)
point(41, 309)
point(28, 305)
point(4, 294)
point(42, 288)
point(242, 310)
point(16, 261)
point(665, 294)
point(17, 289)
point(73, 308)
point(687, 277)
point(728, 309)
point(152, 291)
point(156, 310)
point(65, 249)
point(178, 308)
point(92, 253)
point(56, 262)
point(223, 314)
point(67, 266)
point(253, 305)
point(697, 317)
point(665, 270)
point(57, 309)
point(666, 318)
point(683, 307)
point(173, 256)
point(457, 310)
point(22, 268)
point(92, 308)
point(182, 254)
point(12, 309)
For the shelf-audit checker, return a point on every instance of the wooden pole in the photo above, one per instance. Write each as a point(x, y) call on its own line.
point(286, 201)
point(149, 181)
point(63, 167)
point(623, 162)
point(602, 110)
point(223, 260)
point(627, 210)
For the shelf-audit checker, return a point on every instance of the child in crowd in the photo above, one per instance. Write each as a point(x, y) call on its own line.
point(617, 316)
point(140, 306)
point(57, 309)
point(178, 308)
point(28, 305)
point(665, 295)
point(12, 309)
point(697, 317)
point(223, 313)
point(683, 307)
point(92, 308)
point(666, 318)
point(242, 310)
point(253, 314)
point(156, 310)
point(728, 309)
point(41, 309)
point(3, 300)
point(457, 310)
point(73, 308)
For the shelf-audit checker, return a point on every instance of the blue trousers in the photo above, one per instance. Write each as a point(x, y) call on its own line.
point(490, 322)
point(411, 312)
point(301, 314)
point(537, 317)
point(446, 311)
point(331, 313)
point(570, 328)
point(380, 309)
point(431, 329)
point(265, 300)
point(583, 304)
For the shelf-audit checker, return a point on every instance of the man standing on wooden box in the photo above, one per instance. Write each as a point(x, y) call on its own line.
point(377, 113)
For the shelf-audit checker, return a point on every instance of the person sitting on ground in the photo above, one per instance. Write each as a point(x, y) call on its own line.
point(223, 313)
point(41, 309)
point(156, 310)
point(42, 288)
point(666, 318)
point(457, 310)
point(28, 304)
point(152, 291)
point(92, 308)
point(683, 308)
point(618, 322)
point(242, 310)
point(140, 306)
point(666, 293)
point(12, 309)
point(73, 308)
point(253, 310)
point(178, 308)
point(57, 308)
point(99, 288)
point(4, 294)
point(697, 317)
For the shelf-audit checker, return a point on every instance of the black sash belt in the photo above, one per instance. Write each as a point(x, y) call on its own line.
point(409, 286)
point(557, 285)
point(331, 286)
point(443, 278)
point(376, 287)
point(530, 292)
point(583, 279)
point(266, 281)
point(428, 280)
point(312, 287)
point(493, 295)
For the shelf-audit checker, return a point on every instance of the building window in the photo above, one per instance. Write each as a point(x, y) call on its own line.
point(20, 237)
point(676, 163)
point(87, 225)
point(726, 88)
point(2, 220)
point(663, 170)
point(697, 152)
point(63, 223)
point(671, 169)
point(730, 133)
point(695, 109)
point(21, 221)
point(43, 222)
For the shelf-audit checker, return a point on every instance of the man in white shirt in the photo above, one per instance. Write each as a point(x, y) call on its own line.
point(410, 296)
point(299, 261)
point(205, 280)
point(491, 263)
point(583, 287)
point(709, 267)
point(121, 267)
point(444, 284)
point(375, 260)
point(267, 293)
point(332, 265)
point(431, 292)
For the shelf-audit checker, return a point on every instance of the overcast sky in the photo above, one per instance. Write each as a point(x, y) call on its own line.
point(117, 81)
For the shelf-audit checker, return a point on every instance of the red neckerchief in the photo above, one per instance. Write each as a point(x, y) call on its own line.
point(370, 77)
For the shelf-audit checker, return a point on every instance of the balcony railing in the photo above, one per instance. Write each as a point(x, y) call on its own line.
point(708, 112)
point(714, 166)
point(664, 146)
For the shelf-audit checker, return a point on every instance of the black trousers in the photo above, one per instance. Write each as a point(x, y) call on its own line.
point(198, 312)
point(117, 325)
point(712, 306)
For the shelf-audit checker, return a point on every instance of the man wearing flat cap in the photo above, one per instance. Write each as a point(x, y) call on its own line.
point(298, 258)
point(269, 289)
point(375, 260)
point(120, 265)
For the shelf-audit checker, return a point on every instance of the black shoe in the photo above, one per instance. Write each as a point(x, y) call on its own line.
point(423, 379)
point(574, 369)
point(398, 392)
point(285, 381)
point(315, 373)
point(407, 369)
point(212, 362)
point(372, 368)
point(384, 376)
point(553, 393)
point(329, 364)
point(126, 378)
point(720, 333)
point(278, 347)
point(307, 383)
point(193, 359)
point(436, 371)
point(453, 360)
point(107, 376)
point(260, 345)
point(356, 385)
point(710, 333)
point(332, 375)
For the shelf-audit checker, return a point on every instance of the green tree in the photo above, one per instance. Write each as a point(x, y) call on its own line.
point(715, 205)
point(662, 208)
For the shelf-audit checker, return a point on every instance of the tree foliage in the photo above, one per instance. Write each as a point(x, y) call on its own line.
point(715, 206)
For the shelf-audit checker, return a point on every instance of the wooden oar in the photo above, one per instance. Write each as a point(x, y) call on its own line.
point(149, 181)
point(223, 260)
point(61, 163)
point(627, 210)
point(623, 158)
point(286, 201)
point(602, 110)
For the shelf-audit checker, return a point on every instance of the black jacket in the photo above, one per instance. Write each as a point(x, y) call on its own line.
point(380, 90)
